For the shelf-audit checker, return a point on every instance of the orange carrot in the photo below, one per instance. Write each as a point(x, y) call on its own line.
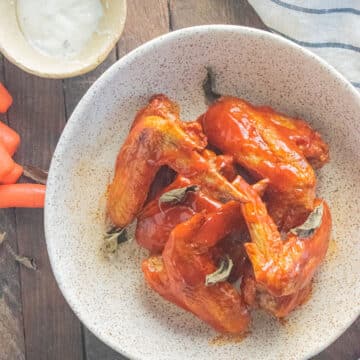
point(9, 138)
point(5, 99)
point(22, 195)
point(6, 162)
point(13, 176)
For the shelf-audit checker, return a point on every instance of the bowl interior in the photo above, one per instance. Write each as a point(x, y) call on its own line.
point(17, 49)
point(111, 298)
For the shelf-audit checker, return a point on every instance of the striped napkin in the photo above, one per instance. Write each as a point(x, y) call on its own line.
point(329, 28)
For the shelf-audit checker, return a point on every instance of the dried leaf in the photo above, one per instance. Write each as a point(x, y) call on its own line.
point(112, 240)
point(26, 261)
point(221, 274)
point(36, 174)
point(210, 94)
point(121, 235)
point(22, 260)
point(311, 224)
point(2, 237)
point(110, 245)
point(176, 196)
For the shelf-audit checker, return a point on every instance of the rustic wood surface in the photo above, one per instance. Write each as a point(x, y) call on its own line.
point(35, 321)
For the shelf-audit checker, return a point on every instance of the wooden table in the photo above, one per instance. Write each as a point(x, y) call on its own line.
point(35, 321)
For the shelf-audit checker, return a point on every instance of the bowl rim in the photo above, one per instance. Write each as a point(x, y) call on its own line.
point(79, 70)
point(86, 100)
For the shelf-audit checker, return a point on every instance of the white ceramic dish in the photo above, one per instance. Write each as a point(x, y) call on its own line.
point(16, 49)
point(111, 298)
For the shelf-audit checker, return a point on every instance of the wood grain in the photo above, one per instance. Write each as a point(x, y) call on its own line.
point(186, 13)
point(12, 343)
point(11, 322)
point(51, 329)
point(97, 350)
point(145, 20)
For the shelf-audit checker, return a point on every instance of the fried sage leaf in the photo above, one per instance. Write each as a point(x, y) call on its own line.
point(208, 87)
point(36, 174)
point(311, 224)
point(221, 274)
point(177, 196)
point(113, 238)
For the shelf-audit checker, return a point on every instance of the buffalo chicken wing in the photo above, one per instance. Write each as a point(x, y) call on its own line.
point(273, 242)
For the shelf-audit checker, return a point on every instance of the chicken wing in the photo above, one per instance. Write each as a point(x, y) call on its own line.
point(188, 257)
point(155, 222)
point(285, 242)
point(158, 138)
point(255, 295)
point(283, 267)
point(309, 141)
point(270, 146)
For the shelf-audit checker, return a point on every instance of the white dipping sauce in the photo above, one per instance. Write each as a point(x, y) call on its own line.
point(59, 28)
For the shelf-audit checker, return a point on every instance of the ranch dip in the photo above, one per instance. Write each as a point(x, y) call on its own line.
point(59, 28)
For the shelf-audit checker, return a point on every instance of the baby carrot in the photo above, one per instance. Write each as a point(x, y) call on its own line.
point(22, 195)
point(5, 99)
point(9, 138)
point(13, 176)
point(6, 162)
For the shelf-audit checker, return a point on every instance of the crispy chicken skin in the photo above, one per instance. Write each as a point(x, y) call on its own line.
point(255, 296)
point(283, 266)
point(158, 138)
point(187, 258)
point(273, 146)
point(155, 222)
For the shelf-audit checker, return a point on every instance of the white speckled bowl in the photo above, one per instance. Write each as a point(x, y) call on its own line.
point(111, 298)
point(16, 48)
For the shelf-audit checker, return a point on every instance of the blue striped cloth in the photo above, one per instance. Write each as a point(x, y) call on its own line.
point(329, 28)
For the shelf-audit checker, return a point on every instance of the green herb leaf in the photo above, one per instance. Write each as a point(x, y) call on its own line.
point(121, 235)
point(221, 274)
point(176, 196)
point(113, 238)
point(311, 224)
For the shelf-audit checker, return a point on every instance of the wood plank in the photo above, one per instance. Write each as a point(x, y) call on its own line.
point(145, 20)
point(96, 349)
point(12, 343)
point(11, 321)
point(186, 13)
point(51, 329)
